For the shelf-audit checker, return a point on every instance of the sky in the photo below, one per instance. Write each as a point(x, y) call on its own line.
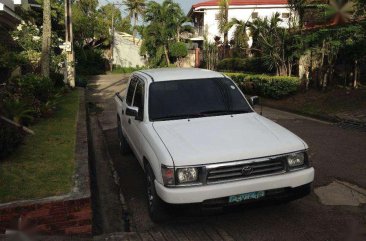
point(185, 4)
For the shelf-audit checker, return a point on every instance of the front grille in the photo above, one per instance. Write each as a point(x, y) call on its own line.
point(246, 170)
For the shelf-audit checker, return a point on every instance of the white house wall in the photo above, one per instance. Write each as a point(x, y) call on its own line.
point(125, 53)
point(241, 13)
point(8, 3)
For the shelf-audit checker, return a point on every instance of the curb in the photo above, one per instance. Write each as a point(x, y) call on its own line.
point(116, 179)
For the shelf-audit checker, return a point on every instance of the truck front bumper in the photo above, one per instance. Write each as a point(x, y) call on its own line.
point(199, 194)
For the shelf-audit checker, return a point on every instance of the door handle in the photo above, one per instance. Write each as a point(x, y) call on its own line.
point(129, 121)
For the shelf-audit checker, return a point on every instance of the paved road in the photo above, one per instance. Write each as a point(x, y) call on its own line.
point(337, 154)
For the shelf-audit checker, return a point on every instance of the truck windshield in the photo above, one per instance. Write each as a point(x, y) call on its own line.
point(182, 99)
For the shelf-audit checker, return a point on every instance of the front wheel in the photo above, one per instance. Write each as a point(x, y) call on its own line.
point(156, 206)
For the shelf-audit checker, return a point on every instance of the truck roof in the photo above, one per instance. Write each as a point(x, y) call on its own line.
point(168, 74)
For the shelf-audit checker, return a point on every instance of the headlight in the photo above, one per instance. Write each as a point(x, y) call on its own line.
point(296, 159)
point(188, 174)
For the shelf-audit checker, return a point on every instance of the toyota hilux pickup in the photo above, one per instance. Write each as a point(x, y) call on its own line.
point(198, 139)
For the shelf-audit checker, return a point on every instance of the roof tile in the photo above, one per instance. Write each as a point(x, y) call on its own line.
point(241, 2)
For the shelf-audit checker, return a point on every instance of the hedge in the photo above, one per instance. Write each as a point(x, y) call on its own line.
point(251, 65)
point(275, 87)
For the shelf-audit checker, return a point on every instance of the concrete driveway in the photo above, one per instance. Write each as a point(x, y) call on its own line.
point(337, 155)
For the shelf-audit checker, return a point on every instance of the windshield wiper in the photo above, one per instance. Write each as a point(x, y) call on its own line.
point(224, 112)
point(182, 116)
point(201, 114)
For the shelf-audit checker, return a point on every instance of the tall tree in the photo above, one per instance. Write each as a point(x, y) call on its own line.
point(163, 24)
point(46, 39)
point(299, 7)
point(223, 17)
point(135, 9)
point(273, 43)
point(240, 38)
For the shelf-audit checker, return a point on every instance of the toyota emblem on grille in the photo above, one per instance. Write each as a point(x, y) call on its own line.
point(246, 170)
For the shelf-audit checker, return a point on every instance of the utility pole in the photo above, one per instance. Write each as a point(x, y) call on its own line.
point(112, 41)
point(69, 45)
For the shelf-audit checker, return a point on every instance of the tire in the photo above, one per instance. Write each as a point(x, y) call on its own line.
point(124, 147)
point(156, 206)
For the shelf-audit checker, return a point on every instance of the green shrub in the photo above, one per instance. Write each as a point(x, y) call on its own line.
point(125, 70)
point(266, 85)
point(10, 138)
point(90, 62)
point(34, 87)
point(178, 50)
point(26, 96)
point(251, 65)
point(57, 79)
point(17, 111)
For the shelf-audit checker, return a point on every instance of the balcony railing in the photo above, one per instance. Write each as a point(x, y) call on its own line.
point(199, 31)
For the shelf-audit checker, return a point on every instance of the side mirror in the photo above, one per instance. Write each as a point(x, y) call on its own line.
point(119, 96)
point(254, 100)
point(132, 111)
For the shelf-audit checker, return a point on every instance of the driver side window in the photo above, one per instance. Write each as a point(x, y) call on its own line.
point(138, 100)
point(131, 91)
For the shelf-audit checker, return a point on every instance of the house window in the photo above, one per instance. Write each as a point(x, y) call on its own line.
point(254, 15)
point(285, 15)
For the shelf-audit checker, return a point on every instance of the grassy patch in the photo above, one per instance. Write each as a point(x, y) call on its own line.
point(336, 101)
point(125, 70)
point(43, 166)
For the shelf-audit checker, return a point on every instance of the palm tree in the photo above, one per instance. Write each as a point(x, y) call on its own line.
point(240, 38)
point(223, 21)
point(164, 26)
point(46, 39)
point(135, 8)
point(271, 38)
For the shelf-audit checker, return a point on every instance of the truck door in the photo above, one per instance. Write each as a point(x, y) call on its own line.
point(135, 123)
point(129, 100)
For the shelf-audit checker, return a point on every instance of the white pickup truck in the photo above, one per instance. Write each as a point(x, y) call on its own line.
point(199, 140)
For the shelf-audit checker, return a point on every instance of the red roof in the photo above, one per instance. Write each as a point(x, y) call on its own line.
point(241, 2)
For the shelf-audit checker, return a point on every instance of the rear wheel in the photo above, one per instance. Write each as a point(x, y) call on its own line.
point(123, 144)
point(156, 206)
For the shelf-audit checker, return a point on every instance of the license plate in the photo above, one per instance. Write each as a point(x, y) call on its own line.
point(246, 196)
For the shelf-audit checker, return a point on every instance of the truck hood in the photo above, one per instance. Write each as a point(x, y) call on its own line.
point(225, 138)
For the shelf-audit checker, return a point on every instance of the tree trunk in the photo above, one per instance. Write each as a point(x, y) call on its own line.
point(325, 79)
point(307, 73)
point(134, 27)
point(166, 55)
point(178, 34)
point(289, 69)
point(356, 74)
point(226, 34)
point(46, 39)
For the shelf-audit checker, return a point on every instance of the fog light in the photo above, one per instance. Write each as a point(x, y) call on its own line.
point(296, 159)
point(189, 174)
